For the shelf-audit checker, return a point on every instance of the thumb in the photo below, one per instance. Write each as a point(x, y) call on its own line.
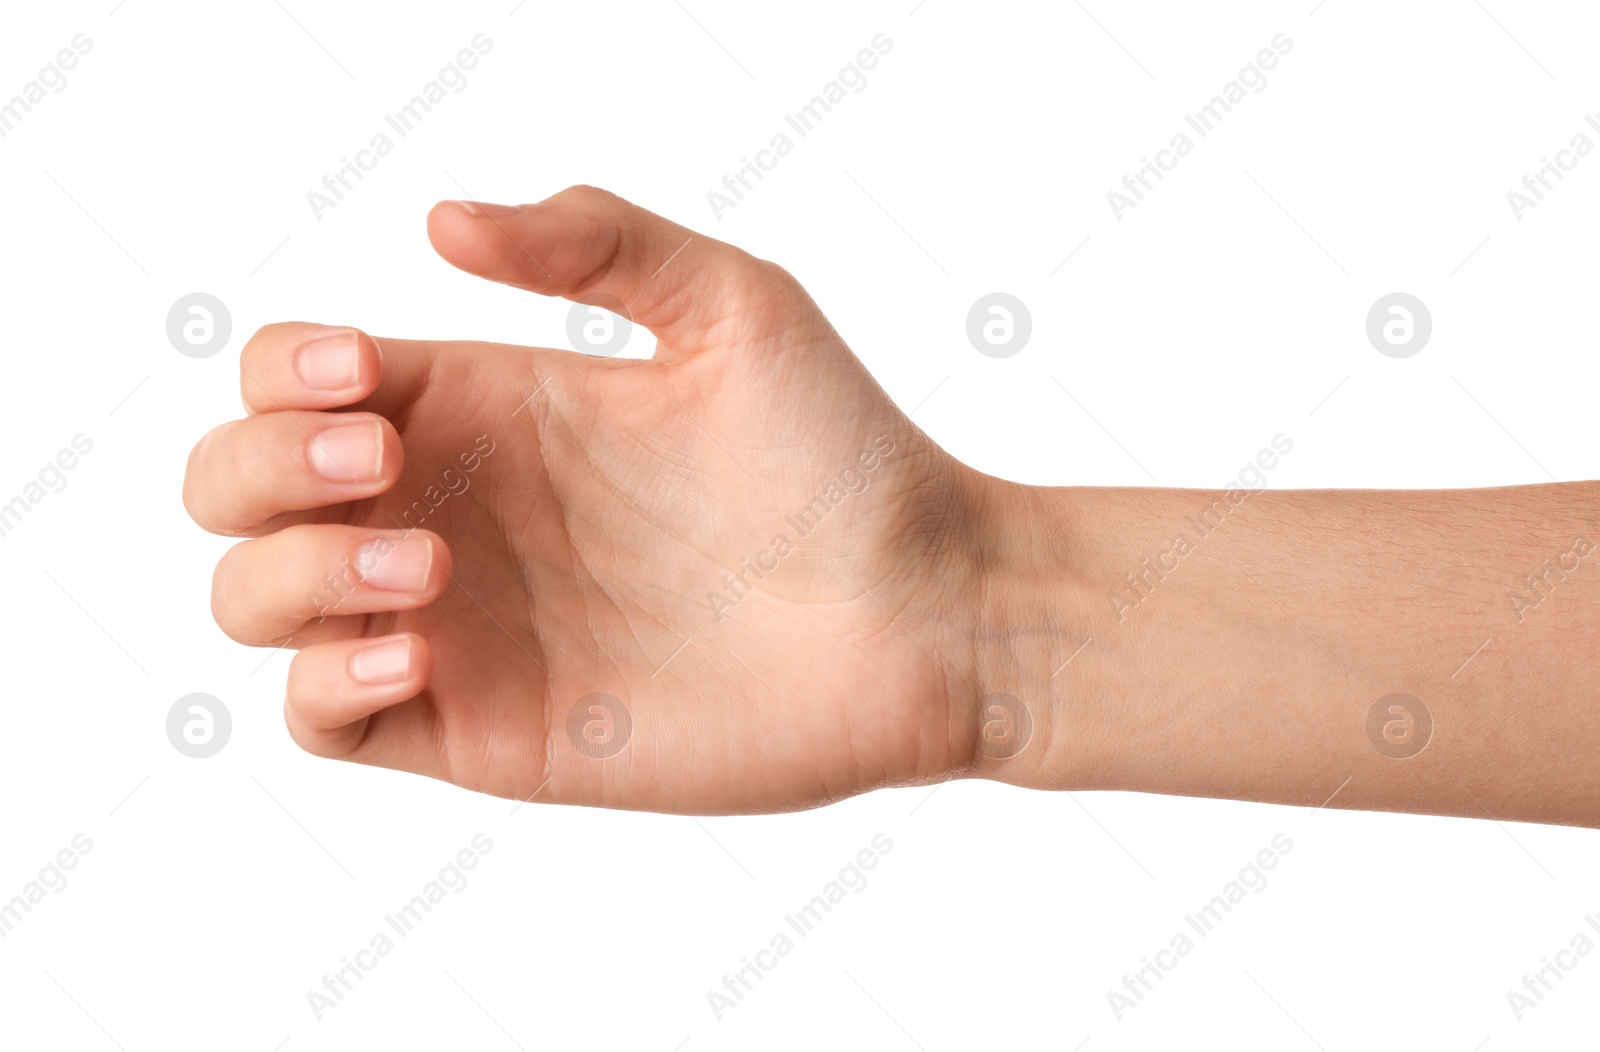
point(591, 246)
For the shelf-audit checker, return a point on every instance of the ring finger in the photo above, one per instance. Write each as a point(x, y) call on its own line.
point(269, 588)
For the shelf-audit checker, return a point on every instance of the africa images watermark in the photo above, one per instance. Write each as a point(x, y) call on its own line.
point(1139, 585)
point(450, 80)
point(1251, 80)
point(1252, 880)
point(1539, 984)
point(852, 879)
point(52, 878)
point(451, 879)
point(1540, 585)
point(52, 78)
point(51, 478)
point(851, 80)
point(852, 481)
point(1537, 183)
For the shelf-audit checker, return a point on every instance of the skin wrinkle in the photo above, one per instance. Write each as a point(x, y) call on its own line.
point(540, 417)
point(401, 419)
point(545, 421)
point(745, 666)
point(539, 653)
point(710, 718)
point(853, 747)
point(596, 473)
point(438, 732)
point(682, 451)
point(599, 273)
point(594, 586)
point(711, 334)
point(613, 599)
point(758, 766)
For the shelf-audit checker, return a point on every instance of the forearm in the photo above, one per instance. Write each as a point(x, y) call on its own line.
point(1239, 649)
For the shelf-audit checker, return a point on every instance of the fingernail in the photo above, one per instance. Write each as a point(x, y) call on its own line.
point(387, 662)
point(485, 208)
point(330, 363)
point(399, 565)
point(349, 452)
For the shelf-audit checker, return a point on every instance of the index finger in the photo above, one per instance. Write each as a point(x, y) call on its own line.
point(303, 365)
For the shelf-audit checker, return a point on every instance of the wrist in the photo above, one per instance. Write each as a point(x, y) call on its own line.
point(1036, 615)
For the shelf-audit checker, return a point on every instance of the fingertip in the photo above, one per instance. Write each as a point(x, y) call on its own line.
point(446, 221)
point(304, 365)
point(464, 232)
point(444, 213)
point(336, 688)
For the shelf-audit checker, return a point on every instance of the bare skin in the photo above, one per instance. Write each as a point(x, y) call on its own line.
point(735, 578)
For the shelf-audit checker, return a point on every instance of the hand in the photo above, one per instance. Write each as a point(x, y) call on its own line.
point(731, 578)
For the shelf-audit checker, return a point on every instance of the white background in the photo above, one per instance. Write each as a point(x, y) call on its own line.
point(1226, 308)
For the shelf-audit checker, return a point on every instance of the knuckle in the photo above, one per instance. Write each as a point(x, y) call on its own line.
point(771, 277)
point(585, 196)
point(758, 286)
